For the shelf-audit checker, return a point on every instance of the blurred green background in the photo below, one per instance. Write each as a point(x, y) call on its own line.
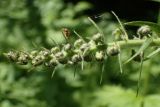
point(24, 23)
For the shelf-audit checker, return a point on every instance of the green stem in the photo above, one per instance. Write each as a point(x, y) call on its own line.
point(134, 43)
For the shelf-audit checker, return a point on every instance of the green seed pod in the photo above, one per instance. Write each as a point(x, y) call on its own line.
point(113, 51)
point(97, 37)
point(12, 56)
point(100, 55)
point(78, 43)
point(54, 50)
point(144, 31)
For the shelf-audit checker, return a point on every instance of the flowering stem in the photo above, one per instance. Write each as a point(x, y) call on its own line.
point(134, 43)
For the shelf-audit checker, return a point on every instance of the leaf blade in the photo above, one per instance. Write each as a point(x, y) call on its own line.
point(154, 26)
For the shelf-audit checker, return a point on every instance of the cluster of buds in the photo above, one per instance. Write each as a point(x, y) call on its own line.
point(80, 50)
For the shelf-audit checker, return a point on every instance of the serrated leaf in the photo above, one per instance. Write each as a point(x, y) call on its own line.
point(147, 42)
point(154, 26)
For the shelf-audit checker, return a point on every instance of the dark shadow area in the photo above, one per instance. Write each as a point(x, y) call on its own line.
point(126, 9)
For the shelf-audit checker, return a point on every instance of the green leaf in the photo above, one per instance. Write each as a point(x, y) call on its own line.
point(81, 6)
point(147, 42)
point(154, 26)
point(115, 96)
point(152, 100)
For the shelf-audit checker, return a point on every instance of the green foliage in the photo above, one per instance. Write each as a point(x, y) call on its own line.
point(29, 25)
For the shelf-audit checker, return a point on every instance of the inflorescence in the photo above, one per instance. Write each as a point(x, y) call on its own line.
point(81, 50)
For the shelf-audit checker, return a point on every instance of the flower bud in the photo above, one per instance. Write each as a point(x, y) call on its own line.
point(54, 50)
point(100, 55)
point(67, 47)
point(97, 37)
point(92, 45)
point(12, 56)
point(76, 58)
point(84, 46)
point(23, 58)
point(33, 54)
point(144, 31)
point(118, 34)
point(38, 60)
point(78, 43)
point(113, 50)
point(44, 52)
